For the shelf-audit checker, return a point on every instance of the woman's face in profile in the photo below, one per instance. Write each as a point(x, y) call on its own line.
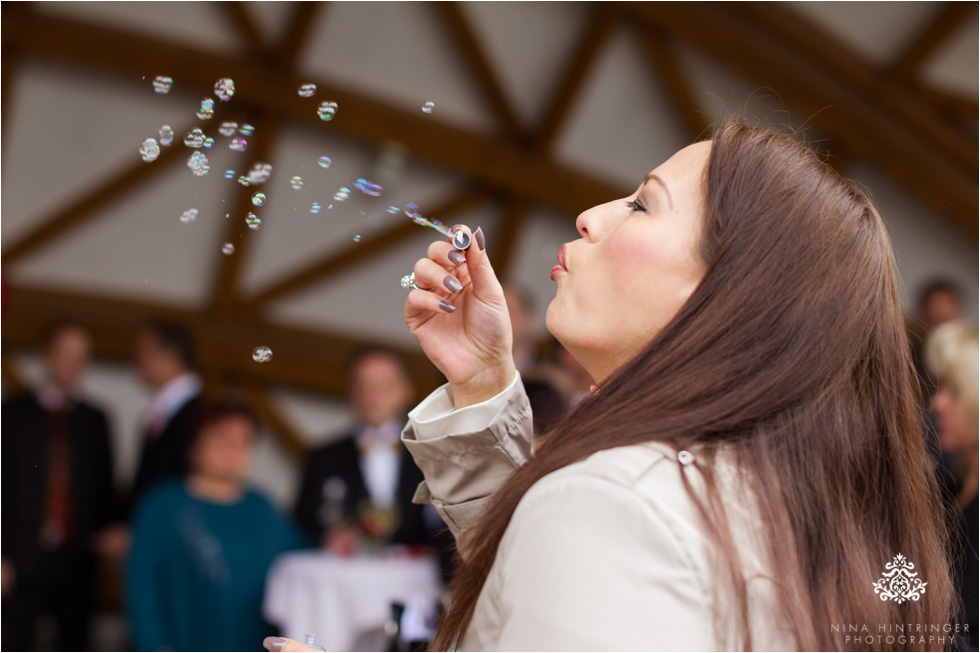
point(635, 265)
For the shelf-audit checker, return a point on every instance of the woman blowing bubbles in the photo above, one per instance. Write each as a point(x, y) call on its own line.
point(751, 457)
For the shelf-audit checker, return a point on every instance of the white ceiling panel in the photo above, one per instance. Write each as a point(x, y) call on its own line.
point(139, 247)
point(199, 24)
point(878, 31)
point(622, 126)
point(71, 133)
point(955, 66)
point(528, 59)
point(398, 51)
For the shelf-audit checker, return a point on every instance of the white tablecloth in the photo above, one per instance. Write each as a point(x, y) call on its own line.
point(340, 598)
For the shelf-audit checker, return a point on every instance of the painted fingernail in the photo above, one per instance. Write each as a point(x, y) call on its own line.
point(480, 240)
point(456, 227)
point(273, 643)
point(452, 283)
point(446, 306)
point(456, 257)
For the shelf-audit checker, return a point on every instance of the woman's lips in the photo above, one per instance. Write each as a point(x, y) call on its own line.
point(561, 263)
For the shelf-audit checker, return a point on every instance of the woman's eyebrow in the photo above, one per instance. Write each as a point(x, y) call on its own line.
point(663, 187)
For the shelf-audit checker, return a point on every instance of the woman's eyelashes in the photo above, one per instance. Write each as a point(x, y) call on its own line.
point(635, 206)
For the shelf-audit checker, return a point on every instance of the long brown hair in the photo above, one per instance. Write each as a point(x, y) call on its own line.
point(791, 354)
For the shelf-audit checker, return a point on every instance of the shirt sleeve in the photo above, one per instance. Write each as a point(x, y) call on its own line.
point(588, 565)
point(466, 454)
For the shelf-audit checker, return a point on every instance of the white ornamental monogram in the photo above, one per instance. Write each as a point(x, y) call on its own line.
point(899, 582)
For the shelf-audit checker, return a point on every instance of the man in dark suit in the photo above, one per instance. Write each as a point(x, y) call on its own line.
point(57, 498)
point(362, 485)
point(165, 360)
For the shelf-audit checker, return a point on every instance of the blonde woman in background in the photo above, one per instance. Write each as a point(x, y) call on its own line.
point(951, 354)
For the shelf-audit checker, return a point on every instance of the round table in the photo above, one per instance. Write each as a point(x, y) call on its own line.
point(340, 599)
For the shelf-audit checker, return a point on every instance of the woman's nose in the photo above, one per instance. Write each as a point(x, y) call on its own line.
point(588, 223)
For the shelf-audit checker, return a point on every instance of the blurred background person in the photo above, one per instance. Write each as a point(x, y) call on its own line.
point(361, 487)
point(940, 301)
point(202, 546)
point(164, 359)
point(951, 356)
point(58, 497)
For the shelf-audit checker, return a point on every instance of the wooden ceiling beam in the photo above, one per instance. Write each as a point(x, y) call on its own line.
point(949, 17)
point(860, 113)
point(505, 243)
point(816, 54)
point(599, 28)
point(371, 246)
point(502, 166)
point(297, 34)
point(468, 44)
point(89, 206)
point(241, 20)
point(302, 359)
point(664, 65)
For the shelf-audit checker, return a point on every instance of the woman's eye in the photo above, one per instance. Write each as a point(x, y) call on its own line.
point(635, 206)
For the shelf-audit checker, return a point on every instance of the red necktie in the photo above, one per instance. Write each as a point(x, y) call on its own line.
point(57, 517)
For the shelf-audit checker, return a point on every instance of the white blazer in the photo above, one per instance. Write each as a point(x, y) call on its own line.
point(606, 554)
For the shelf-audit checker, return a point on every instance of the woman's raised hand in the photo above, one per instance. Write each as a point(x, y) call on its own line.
point(459, 315)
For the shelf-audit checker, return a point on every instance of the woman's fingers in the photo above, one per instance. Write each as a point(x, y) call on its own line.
point(420, 301)
point(429, 274)
point(277, 644)
point(445, 254)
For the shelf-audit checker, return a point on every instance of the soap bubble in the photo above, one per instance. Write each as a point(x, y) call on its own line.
point(258, 199)
point(412, 211)
point(229, 174)
point(326, 110)
point(228, 128)
point(244, 180)
point(342, 194)
point(296, 182)
point(224, 88)
point(253, 221)
point(357, 238)
point(198, 163)
point(149, 150)
point(315, 209)
point(188, 216)
point(246, 129)
point(208, 143)
point(238, 144)
point(206, 110)
point(162, 84)
point(194, 138)
point(428, 107)
point(307, 90)
point(260, 173)
point(324, 162)
point(166, 135)
point(394, 210)
point(261, 354)
point(368, 187)
point(227, 249)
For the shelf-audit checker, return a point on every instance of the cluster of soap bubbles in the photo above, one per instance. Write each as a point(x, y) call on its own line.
point(196, 139)
point(198, 163)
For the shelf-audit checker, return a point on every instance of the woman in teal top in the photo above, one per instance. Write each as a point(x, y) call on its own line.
point(202, 547)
